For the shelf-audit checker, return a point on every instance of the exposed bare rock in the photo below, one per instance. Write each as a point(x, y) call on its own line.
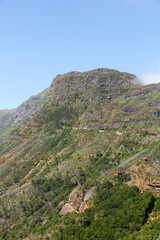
point(30, 107)
point(101, 83)
point(77, 201)
point(74, 201)
point(83, 206)
point(66, 209)
point(138, 174)
point(60, 206)
point(90, 194)
point(75, 198)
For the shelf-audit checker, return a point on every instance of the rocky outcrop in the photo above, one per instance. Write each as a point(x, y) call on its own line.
point(67, 208)
point(25, 110)
point(81, 87)
point(101, 83)
point(30, 107)
point(78, 201)
point(138, 176)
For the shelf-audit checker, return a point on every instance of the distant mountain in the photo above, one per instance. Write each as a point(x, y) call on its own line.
point(11, 118)
point(6, 115)
point(86, 164)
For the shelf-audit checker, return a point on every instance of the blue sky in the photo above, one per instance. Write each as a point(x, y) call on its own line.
point(42, 38)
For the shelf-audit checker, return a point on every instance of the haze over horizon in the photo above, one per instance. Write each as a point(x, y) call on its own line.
point(40, 39)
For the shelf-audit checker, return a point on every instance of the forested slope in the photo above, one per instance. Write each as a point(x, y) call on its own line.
point(86, 165)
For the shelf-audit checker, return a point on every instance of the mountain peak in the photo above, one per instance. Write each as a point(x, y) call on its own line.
point(82, 86)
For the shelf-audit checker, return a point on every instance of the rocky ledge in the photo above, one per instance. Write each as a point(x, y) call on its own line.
point(80, 87)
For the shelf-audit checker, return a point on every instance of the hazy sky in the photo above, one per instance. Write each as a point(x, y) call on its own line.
point(42, 38)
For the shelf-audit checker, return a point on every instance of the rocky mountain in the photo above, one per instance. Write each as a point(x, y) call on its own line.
point(87, 164)
point(11, 118)
point(6, 116)
point(77, 87)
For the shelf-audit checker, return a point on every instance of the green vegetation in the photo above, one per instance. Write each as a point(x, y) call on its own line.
point(83, 152)
point(117, 212)
point(11, 118)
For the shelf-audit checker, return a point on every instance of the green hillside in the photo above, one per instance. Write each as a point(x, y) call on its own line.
point(11, 118)
point(87, 163)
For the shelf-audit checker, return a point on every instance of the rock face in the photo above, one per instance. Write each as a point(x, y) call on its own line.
point(138, 176)
point(80, 87)
point(66, 209)
point(25, 110)
point(30, 107)
point(78, 201)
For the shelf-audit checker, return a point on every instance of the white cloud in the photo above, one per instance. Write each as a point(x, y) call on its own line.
point(150, 78)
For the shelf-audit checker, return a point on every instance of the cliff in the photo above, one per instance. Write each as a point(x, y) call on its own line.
point(100, 83)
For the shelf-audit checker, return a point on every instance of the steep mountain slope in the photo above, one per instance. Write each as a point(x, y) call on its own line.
point(11, 118)
point(63, 174)
point(76, 87)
